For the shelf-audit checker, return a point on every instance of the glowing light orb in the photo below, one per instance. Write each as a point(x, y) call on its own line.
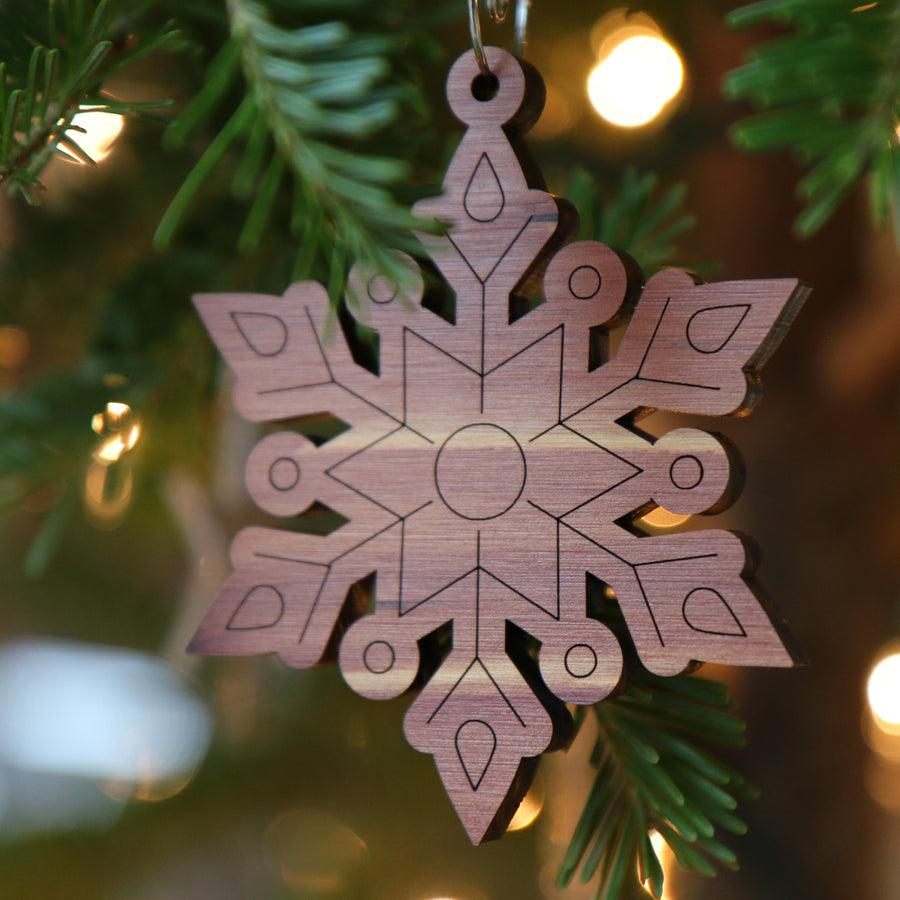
point(634, 82)
point(101, 129)
point(529, 809)
point(105, 713)
point(883, 690)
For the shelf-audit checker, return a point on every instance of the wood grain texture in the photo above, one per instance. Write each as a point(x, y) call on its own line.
point(491, 464)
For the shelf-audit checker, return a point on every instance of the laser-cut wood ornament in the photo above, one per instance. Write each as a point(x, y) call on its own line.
point(485, 468)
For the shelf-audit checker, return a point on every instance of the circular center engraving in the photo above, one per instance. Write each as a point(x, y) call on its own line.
point(480, 471)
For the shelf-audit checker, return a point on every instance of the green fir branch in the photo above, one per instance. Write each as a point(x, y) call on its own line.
point(654, 774)
point(54, 65)
point(639, 219)
point(325, 125)
point(830, 89)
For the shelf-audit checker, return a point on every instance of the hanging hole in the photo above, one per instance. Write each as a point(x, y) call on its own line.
point(485, 87)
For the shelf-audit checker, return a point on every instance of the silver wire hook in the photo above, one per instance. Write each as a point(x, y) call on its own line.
point(497, 10)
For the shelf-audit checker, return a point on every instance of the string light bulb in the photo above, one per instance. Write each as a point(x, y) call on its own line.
point(883, 690)
point(95, 131)
point(638, 73)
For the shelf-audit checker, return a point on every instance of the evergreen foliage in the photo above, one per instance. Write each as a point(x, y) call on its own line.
point(830, 88)
point(54, 64)
point(639, 218)
point(328, 116)
point(654, 775)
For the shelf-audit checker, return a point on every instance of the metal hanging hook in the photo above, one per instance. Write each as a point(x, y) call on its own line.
point(498, 10)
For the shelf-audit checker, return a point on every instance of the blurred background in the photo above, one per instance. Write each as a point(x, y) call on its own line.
point(130, 771)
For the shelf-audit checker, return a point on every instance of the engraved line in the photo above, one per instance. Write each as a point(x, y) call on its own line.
point(520, 594)
point(455, 686)
point(500, 258)
point(637, 578)
point(509, 247)
point(291, 559)
point(662, 315)
point(295, 387)
point(703, 387)
point(358, 492)
point(319, 343)
point(449, 584)
point(526, 348)
point(562, 371)
point(618, 456)
point(656, 562)
point(487, 672)
point(400, 575)
point(477, 589)
point(464, 259)
point(315, 603)
point(611, 488)
point(440, 350)
point(366, 541)
point(374, 406)
point(483, 327)
point(493, 681)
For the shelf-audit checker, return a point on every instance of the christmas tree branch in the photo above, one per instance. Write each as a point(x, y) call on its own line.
point(639, 219)
point(654, 776)
point(319, 124)
point(831, 93)
point(53, 67)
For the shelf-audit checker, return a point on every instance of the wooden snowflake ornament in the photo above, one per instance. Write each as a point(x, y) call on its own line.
point(491, 464)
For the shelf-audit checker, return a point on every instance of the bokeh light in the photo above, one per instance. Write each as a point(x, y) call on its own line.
point(104, 713)
point(109, 482)
point(638, 72)
point(883, 691)
point(660, 519)
point(315, 853)
point(14, 346)
point(101, 130)
point(120, 429)
point(529, 809)
point(633, 84)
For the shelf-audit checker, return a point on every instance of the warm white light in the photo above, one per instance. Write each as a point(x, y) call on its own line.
point(883, 690)
point(666, 860)
point(529, 809)
point(660, 518)
point(112, 450)
point(634, 82)
point(14, 346)
point(100, 132)
point(121, 431)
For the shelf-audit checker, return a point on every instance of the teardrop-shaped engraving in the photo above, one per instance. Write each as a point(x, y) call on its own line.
point(475, 746)
point(709, 330)
point(266, 334)
point(484, 198)
point(261, 607)
point(706, 610)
